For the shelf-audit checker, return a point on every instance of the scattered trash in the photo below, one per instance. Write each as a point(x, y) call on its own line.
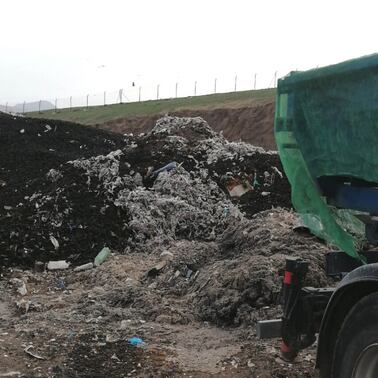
point(114, 357)
point(167, 255)
point(11, 374)
point(54, 242)
point(27, 350)
point(61, 285)
point(256, 182)
point(189, 273)
point(250, 364)
point(238, 187)
point(136, 341)
point(153, 272)
point(166, 168)
point(177, 274)
point(20, 284)
point(22, 131)
point(58, 265)
point(83, 267)
point(275, 169)
point(102, 256)
point(23, 305)
point(300, 227)
point(47, 128)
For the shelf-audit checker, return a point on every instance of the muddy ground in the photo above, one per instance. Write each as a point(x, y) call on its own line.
point(192, 266)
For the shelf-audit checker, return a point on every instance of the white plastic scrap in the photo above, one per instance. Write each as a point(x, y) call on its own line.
point(58, 265)
point(54, 242)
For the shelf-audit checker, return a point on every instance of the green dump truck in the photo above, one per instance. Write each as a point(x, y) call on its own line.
point(326, 128)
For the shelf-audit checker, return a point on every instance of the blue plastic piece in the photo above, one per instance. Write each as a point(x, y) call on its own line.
point(136, 341)
point(166, 168)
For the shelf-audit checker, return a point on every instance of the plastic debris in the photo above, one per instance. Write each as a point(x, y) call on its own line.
point(61, 284)
point(54, 242)
point(11, 374)
point(136, 341)
point(166, 255)
point(239, 189)
point(23, 305)
point(83, 267)
point(58, 265)
point(37, 356)
point(153, 272)
point(166, 168)
point(21, 286)
point(102, 256)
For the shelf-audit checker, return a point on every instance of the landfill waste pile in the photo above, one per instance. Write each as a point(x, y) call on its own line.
point(69, 190)
point(145, 256)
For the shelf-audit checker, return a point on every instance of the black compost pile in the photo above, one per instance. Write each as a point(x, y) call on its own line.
point(67, 190)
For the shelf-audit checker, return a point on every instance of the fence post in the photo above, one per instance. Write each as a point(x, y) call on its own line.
point(87, 101)
point(140, 91)
point(275, 80)
point(157, 92)
point(104, 98)
point(176, 90)
point(120, 95)
point(70, 103)
point(56, 105)
point(236, 81)
point(23, 108)
point(254, 84)
point(195, 88)
point(39, 106)
point(215, 86)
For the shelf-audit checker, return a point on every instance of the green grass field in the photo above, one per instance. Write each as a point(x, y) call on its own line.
point(100, 114)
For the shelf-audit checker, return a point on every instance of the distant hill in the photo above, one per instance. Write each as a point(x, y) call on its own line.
point(29, 107)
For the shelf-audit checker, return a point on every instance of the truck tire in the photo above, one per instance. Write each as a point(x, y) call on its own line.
point(356, 349)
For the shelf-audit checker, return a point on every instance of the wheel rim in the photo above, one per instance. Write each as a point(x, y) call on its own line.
point(367, 363)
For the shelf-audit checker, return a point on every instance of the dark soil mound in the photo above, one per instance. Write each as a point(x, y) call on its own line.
point(30, 148)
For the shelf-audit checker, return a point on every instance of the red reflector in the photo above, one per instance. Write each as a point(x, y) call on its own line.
point(288, 277)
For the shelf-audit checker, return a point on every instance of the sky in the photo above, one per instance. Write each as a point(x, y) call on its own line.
point(61, 48)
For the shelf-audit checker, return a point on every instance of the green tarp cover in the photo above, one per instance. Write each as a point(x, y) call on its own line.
point(326, 124)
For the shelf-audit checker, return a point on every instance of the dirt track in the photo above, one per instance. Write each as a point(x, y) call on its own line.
point(191, 271)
